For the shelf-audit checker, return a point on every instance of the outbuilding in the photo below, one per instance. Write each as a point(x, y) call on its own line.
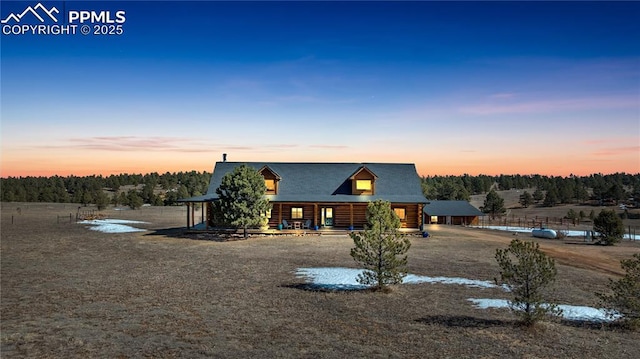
point(451, 212)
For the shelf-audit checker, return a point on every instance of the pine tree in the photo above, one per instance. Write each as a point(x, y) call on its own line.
point(625, 292)
point(241, 198)
point(101, 200)
point(551, 198)
point(493, 204)
point(538, 195)
point(526, 199)
point(87, 198)
point(134, 201)
point(581, 214)
point(528, 278)
point(123, 199)
point(609, 226)
point(380, 248)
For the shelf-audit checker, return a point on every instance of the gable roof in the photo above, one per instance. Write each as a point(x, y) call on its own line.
point(363, 168)
point(274, 173)
point(451, 208)
point(329, 182)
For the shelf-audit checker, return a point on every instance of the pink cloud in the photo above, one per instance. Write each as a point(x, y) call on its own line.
point(163, 144)
point(617, 151)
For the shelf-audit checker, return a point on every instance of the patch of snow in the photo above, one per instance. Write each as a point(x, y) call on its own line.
point(112, 225)
point(412, 278)
point(332, 278)
point(569, 312)
point(336, 278)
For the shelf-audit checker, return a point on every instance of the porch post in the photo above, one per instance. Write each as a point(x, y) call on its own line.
point(202, 213)
point(193, 214)
point(351, 214)
point(188, 215)
point(315, 214)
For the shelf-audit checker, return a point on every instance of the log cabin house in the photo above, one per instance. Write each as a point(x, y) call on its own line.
point(324, 195)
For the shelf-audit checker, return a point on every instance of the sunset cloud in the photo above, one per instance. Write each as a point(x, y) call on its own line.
point(166, 144)
point(133, 144)
point(618, 151)
point(549, 105)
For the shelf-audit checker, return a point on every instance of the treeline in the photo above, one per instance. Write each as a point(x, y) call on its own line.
point(572, 189)
point(165, 189)
point(123, 189)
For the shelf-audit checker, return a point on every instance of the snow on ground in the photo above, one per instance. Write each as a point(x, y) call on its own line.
point(569, 312)
point(112, 225)
point(332, 278)
point(336, 278)
point(528, 230)
point(474, 283)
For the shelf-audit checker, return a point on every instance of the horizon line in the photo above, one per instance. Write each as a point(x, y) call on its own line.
point(239, 162)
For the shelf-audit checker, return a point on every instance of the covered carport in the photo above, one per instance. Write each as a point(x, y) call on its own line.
point(205, 211)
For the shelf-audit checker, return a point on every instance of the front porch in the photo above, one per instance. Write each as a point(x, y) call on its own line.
point(324, 231)
point(298, 217)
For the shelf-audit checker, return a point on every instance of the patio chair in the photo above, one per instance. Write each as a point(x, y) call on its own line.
point(286, 224)
point(306, 224)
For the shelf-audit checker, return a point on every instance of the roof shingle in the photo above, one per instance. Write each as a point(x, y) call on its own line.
point(329, 182)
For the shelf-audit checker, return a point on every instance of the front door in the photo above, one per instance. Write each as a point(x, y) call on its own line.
point(327, 216)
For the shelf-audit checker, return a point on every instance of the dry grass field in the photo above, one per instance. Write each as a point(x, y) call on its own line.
point(69, 292)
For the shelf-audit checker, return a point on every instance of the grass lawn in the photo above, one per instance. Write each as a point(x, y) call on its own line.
point(67, 291)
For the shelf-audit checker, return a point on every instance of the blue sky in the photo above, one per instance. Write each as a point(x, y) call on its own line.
point(460, 87)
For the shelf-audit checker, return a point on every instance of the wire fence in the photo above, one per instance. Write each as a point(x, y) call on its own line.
point(572, 226)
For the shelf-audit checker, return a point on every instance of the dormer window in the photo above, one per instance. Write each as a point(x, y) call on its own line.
point(271, 180)
point(271, 185)
point(363, 182)
point(363, 185)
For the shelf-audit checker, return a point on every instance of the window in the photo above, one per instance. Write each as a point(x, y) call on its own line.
point(296, 213)
point(363, 185)
point(434, 219)
point(401, 213)
point(271, 185)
